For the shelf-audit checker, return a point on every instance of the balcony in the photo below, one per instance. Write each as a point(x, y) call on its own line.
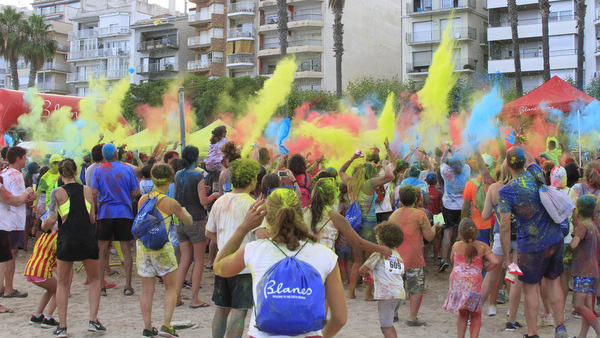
point(435, 36)
point(158, 68)
point(421, 67)
point(493, 4)
point(114, 30)
point(532, 61)
point(84, 34)
point(239, 9)
point(159, 45)
point(532, 28)
point(272, 3)
point(51, 66)
point(62, 48)
point(240, 60)
point(98, 54)
point(113, 74)
point(200, 65)
point(413, 9)
point(53, 87)
point(294, 46)
point(240, 34)
point(309, 69)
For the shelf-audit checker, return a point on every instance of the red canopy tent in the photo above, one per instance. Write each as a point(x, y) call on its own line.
point(12, 105)
point(555, 93)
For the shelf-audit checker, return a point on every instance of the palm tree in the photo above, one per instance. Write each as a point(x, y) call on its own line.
point(514, 19)
point(545, 12)
point(580, 14)
point(337, 6)
point(282, 26)
point(11, 39)
point(40, 45)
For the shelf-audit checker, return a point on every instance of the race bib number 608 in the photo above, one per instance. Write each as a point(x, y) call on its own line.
point(394, 265)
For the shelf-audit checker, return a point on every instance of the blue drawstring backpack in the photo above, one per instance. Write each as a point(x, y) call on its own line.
point(354, 216)
point(149, 225)
point(290, 298)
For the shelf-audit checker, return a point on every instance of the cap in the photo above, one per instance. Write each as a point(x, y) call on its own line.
point(55, 158)
point(488, 160)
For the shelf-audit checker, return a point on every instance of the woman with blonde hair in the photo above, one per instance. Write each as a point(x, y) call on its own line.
point(290, 237)
point(362, 186)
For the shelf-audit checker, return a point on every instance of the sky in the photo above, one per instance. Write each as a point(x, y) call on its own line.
point(27, 3)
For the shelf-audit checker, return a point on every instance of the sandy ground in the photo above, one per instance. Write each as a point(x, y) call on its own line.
point(121, 314)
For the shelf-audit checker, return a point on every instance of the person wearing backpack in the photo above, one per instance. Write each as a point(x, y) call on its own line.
point(362, 186)
point(284, 308)
point(162, 262)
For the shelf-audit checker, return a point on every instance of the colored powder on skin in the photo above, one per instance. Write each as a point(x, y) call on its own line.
point(273, 95)
point(434, 95)
point(482, 122)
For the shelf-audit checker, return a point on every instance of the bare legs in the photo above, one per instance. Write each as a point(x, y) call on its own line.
point(9, 273)
point(198, 249)
point(64, 273)
point(236, 323)
point(583, 305)
point(358, 255)
point(532, 304)
point(48, 298)
point(461, 323)
point(127, 260)
point(148, 288)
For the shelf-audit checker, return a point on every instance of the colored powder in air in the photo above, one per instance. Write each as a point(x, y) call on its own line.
point(434, 95)
point(456, 125)
point(482, 122)
point(284, 131)
point(273, 95)
point(588, 121)
point(385, 126)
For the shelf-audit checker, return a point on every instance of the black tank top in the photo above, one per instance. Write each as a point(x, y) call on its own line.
point(77, 239)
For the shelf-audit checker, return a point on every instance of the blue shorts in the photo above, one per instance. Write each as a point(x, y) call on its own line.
point(546, 263)
point(483, 235)
point(584, 284)
point(344, 253)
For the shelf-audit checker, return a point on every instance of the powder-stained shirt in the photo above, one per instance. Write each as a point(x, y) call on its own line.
point(89, 172)
point(412, 222)
point(388, 284)
point(186, 193)
point(585, 255)
point(47, 184)
point(13, 218)
point(226, 215)
point(454, 185)
point(535, 229)
point(115, 182)
point(470, 194)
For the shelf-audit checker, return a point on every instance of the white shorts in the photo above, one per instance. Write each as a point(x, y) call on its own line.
point(156, 263)
point(497, 247)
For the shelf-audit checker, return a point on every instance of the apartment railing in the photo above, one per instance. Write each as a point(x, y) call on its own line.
point(52, 86)
point(198, 64)
point(313, 65)
point(293, 43)
point(111, 74)
point(529, 53)
point(63, 48)
point(302, 17)
point(84, 34)
point(158, 68)
point(158, 44)
point(554, 17)
point(240, 32)
point(421, 66)
point(241, 7)
point(240, 58)
point(114, 30)
point(201, 40)
point(56, 66)
point(444, 5)
point(432, 36)
point(99, 53)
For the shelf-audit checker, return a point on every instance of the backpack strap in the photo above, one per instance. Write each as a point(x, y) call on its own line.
point(297, 252)
point(160, 200)
point(324, 225)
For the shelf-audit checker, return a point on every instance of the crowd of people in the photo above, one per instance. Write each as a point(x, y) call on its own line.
point(282, 234)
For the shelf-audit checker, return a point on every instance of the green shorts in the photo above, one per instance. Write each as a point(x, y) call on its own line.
point(415, 281)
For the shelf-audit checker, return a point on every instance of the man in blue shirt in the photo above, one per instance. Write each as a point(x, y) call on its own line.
point(114, 185)
point(539, 239)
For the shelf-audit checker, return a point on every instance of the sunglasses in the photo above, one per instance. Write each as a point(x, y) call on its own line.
point(291, 187)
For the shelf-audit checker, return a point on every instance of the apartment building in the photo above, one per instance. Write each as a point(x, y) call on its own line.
point(159, 53)
point(562, 40)
point(592, 41)
point(102, 44)
point(424, 23)
point(239, 38)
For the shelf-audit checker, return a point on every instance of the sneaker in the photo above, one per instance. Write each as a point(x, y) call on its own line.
point(150, 333)
point(49, 323)
point(187, 285)
point(512, 326)
point(167, 332)
point(36, 320)
point(96, 327)
point(560, 332)
point(443, 266)
point(60, 332)
point(576, 314)
point(546, 320)
point(492, 311)
point(502, 297)
point(415, 323)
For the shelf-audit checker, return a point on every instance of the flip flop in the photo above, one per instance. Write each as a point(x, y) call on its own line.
point(128, 291)
point(199, 306)
point(179, 303)
point(16, 294)
point(103, 292)
point(4, 309)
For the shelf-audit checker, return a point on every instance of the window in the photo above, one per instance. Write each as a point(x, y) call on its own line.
point(422, 59)
point(422, 5)
point(455, 30)
point(422, 31)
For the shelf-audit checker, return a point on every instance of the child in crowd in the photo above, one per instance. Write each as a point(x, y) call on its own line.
point(387, 275)
point(465, 296)
point(146, 185)
point(584, 269)
point(416, 227)
point(343, 249)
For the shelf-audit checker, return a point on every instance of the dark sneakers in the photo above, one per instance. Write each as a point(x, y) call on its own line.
point(150, 333)
point(96, 327)
point(36, 320)
point(60, 332)
point(443, 266)
point(49, 323)
point(513, 326)
point(168, 332)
